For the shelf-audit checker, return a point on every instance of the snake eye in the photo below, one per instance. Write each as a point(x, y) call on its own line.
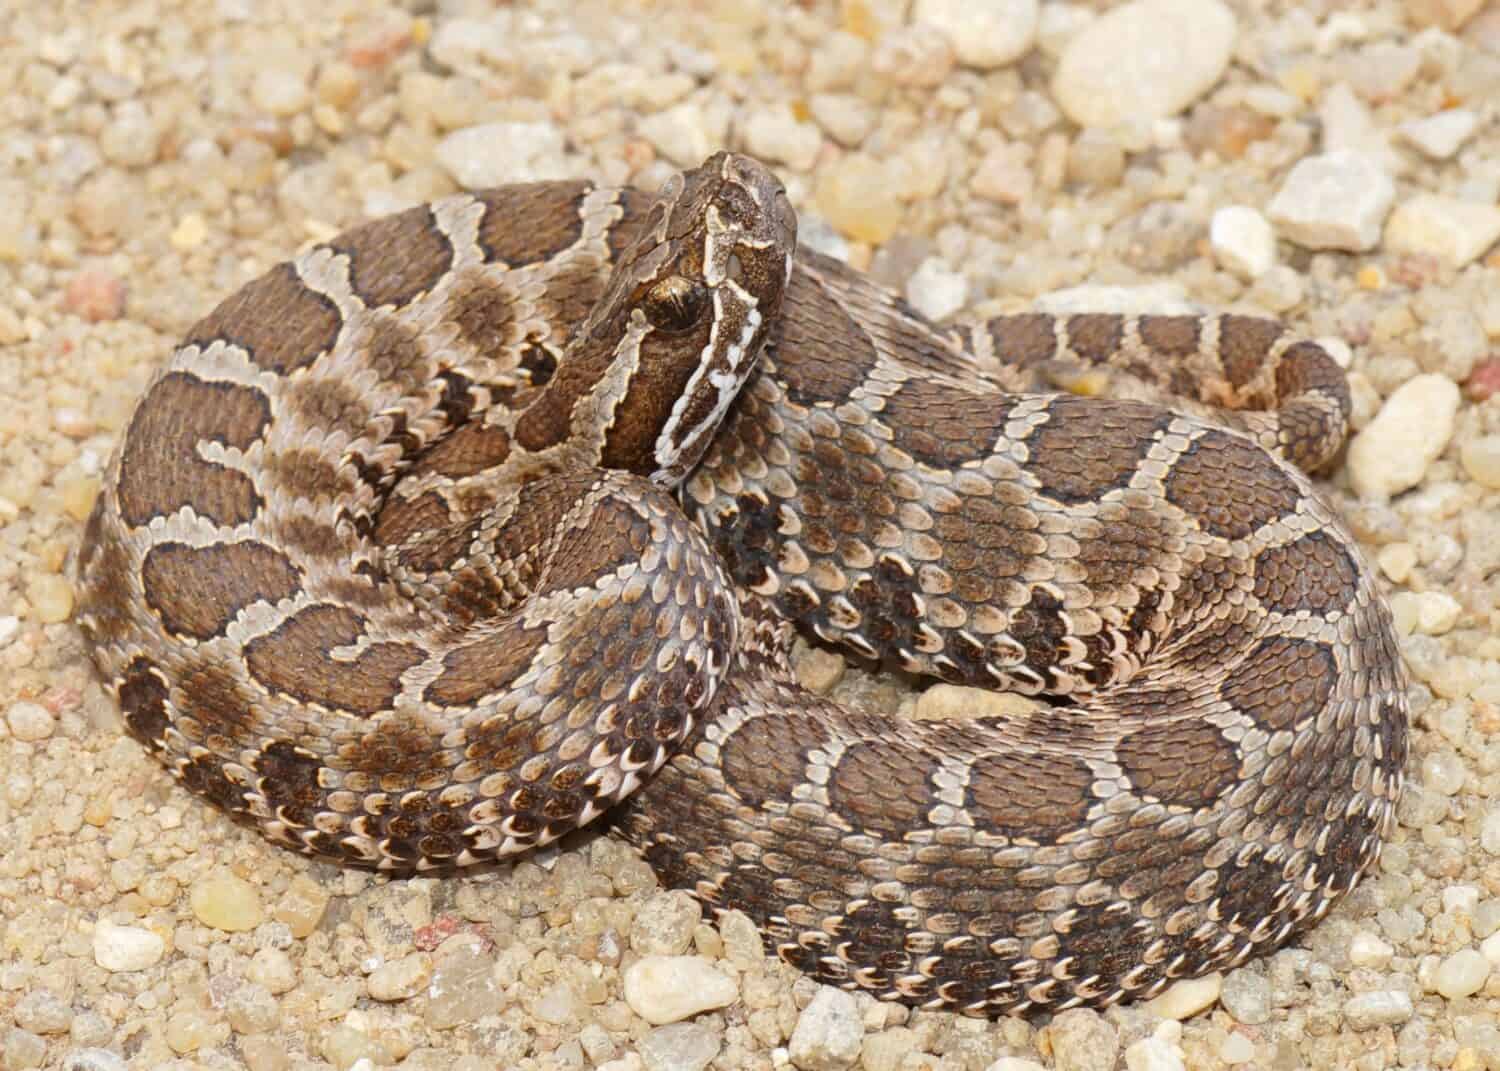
point(675, 303)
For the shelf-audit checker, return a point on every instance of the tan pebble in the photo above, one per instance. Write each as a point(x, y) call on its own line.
point(95, 295)
point(273, 969)
point(344, 1046)
point(29, 721)
point(1480, 458)
point(77, 496)
point(51, 598)
point(226, 902)
point(1397, 560)
point(189, 232)
point(190, 1031)
point(668, 989)
point(952, 702)
point(1004, 175)
point(819, 670)
point(126, 948)
point(401, 979)
point(301, 907)
point(857, 196)
point(1187, 998)
point(262, 1052)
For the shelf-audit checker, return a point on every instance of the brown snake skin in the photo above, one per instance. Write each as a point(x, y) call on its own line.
point(389, 562)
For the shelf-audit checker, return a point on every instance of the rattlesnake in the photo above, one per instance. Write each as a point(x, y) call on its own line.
point(389, 563)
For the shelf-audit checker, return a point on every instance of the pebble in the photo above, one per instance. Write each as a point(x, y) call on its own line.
point(679, 1047)
point(1462, 974)
point(1411, 430)
point(1439, 136)
point(272, 968)
point(1143, 60)
point(1369, 951)
point(1449, 228)
point(1365, 1011)
point(21, 1049)
point(1185, 999)
point(1489, 833)
point(226, 901)
point(829, 1032)
point(856, 196)
point(1237, 1049)
point(1154, 1054)
point(955, 702)
point(681, 133)
point(1428, 613)
point(1004, 174)
point(1480, 457)
point(843, 116)
point(43, 1012)
point(1489, 948)
point(664, 924)
point(1083, 1040)
point(95, 296)
point(666, 989)
point(491, 154)
point(1242, 240)
point(401, 979)
point(92, 1059)
point(29, 721)
point(937, 291)
point(983, 33)
point(1338, 200)
point(463, 987)
point(279, 91)
point(126, 948)
point(1246, 995)
point(775, 135)
point(1015, 1063)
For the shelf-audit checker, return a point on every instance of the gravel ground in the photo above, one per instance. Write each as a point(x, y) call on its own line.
point(1335, 162)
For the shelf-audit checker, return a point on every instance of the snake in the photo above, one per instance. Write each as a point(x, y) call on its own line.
point(504, 512)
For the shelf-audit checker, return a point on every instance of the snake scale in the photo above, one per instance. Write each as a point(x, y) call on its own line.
point(446, 537)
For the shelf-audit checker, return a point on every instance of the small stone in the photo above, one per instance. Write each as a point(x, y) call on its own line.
point(1411, 430)
point(402, 979)
point(1378, 1008)
point(983, 33)
point(1429, 613)
point(126, 948)
point(936, 290)
point(1334, 201)
point(679, 1047)
point(1451, 229)
point(1439, 136)
point(251, 1009)
point(301, 907)
point(189, 233)
point(954, 702)
point(818, 669)
point(1004, 174)
point(95, 296)
point(43, 1012)
point(1446, 14)
point(1184, 999)
point(846, 118)
point(1247, 996)
point(681, 133)
point(1015, 1063)
point(666, 989)
point(664, 924)
point(1237, 1049)
point(1083, 1040)
point(491, 154)
point(557, 1004)
point(51, 596)
point(29, 721)
point(463, 988)
point(344, 1047)
point(917, 56)
point(743, 944)
point(1397, 560)
point(856, 196)
point(1480, 458)
point(1489, 948)
point(829, 1032)
point(189, 1031)
point(226, 901)
point(1143, 60)
point(774, 134)
point(279, 91)
point(1462, 974)
point(1242, 241)
point(272, 968)
point(1489, 833)
point(886, 1050)
point(21, 1049)
point(1154, 1054)
point(1368, 951)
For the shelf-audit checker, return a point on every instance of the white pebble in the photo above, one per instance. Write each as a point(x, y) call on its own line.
point(1367, 950)
point(846, 117)
point(682, 133)
point(400, 979)
point(279, 91)
point(774, 134)
point(1334, 201)
point(1242, 241)
point(1412, 428)
point(1439, 136)
point(1449, 228)
point(1143, 60)
point(126, 948)
point(666, 989)
point(1428, 613)
point(1154, 1054)
point(1462, 974)
point(1479, 456)
point(29, 721)
point(1489, 948)
point(1458, 899)
point(829, 1032)
point(1187, 998)
point(1237, 1049)
point(491, 154)
point(983, 33)
point(936, 290)
point(1014, 1063)
point(1489, 830)
point(1379, 1008)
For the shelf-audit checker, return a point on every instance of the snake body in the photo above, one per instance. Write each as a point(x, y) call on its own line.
point(435, 543)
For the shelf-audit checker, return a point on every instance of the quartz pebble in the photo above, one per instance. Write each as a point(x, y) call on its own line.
point(491, 154)
point(29, 721)
point(1489, 833)
point(1462, 974)
point(1439, 136)
point(400, 979)
point(1365, 1011)
point(126, 948)
point(1143, 60)
point(1338, 200)
point(679, 1047)
point(225, 901)
point(829, 1032)
point(666, 989)
point(1154, 1054)
point(1187, 998)
point(1413, 427)
point(1246, 995)
point(982, 33)
point(1367, 950)
point(935, 290)
point(1242, 241)
point(775, 135)
point(1083, 1040)
point(1453, 230)
point(1480, 457)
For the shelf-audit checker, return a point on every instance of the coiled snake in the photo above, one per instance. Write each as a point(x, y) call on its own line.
point(437, 542)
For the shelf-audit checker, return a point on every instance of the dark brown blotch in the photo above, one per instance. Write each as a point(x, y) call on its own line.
point(821, 353)
point(487, 666)
point(295, 659)
point(1031, 795)
point(1089, 447)
point(1183, 762)
point(1282, 682)
point(218, 701)
point(1096, 337)
point(764, 759)
point(394, 353)
point(198, 591)
point(1172, 337)
point(142, 691)
point(941, 426)
point(394, 259)
point(1314, 573)
point(277, 320)
point(1245, 344)
point(531, 222)
point(161, 469)
point(289, 780)
point(1025, 339)
point(882, 788)
point(1230, 486)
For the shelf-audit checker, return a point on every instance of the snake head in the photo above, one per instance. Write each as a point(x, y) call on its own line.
point(686, 313)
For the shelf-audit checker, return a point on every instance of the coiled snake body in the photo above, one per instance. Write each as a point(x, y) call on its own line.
point(389, 563)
